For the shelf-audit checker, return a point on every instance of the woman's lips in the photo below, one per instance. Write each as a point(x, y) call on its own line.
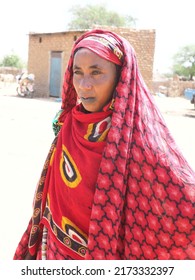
point(87, 99)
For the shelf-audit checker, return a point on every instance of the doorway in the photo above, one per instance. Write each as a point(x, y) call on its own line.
point(55, 74)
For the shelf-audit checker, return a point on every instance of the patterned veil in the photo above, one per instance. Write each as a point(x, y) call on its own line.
point(143, 206)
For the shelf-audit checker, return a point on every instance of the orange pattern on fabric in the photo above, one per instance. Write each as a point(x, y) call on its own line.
point(68, 169)
point(97, 132)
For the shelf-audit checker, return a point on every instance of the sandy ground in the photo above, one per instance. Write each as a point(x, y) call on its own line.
point(26, 134)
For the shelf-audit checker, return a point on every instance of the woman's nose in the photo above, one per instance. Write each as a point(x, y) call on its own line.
point(85, 83)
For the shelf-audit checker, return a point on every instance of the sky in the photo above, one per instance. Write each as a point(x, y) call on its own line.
point(172, 20)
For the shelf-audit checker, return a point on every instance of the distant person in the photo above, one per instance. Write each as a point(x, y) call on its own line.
point(114, 184)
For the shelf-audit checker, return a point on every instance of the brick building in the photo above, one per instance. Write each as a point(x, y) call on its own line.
point(49, 53)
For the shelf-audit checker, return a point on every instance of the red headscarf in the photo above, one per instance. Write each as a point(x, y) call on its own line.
point(103, 45)
point(144, 200)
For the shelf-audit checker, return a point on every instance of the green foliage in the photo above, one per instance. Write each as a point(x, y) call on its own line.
point(90, 15)
point(12, 60)
point(184, 62)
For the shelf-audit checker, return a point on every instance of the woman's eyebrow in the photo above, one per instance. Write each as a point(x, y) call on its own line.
point(94, 66)
point(76, 67)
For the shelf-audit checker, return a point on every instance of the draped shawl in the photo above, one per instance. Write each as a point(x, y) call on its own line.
point(143, 205)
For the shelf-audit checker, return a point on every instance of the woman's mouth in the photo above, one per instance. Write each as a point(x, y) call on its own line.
point(87, 99)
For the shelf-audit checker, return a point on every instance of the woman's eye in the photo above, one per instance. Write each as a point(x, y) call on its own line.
point(77, 72)
point(96, 72)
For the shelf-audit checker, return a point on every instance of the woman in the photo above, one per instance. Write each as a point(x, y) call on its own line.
point(114, 185)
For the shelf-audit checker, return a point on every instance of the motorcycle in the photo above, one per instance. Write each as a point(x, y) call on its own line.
point(25, 86)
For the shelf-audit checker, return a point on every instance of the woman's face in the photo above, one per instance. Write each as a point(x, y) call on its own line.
point(94, 79)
